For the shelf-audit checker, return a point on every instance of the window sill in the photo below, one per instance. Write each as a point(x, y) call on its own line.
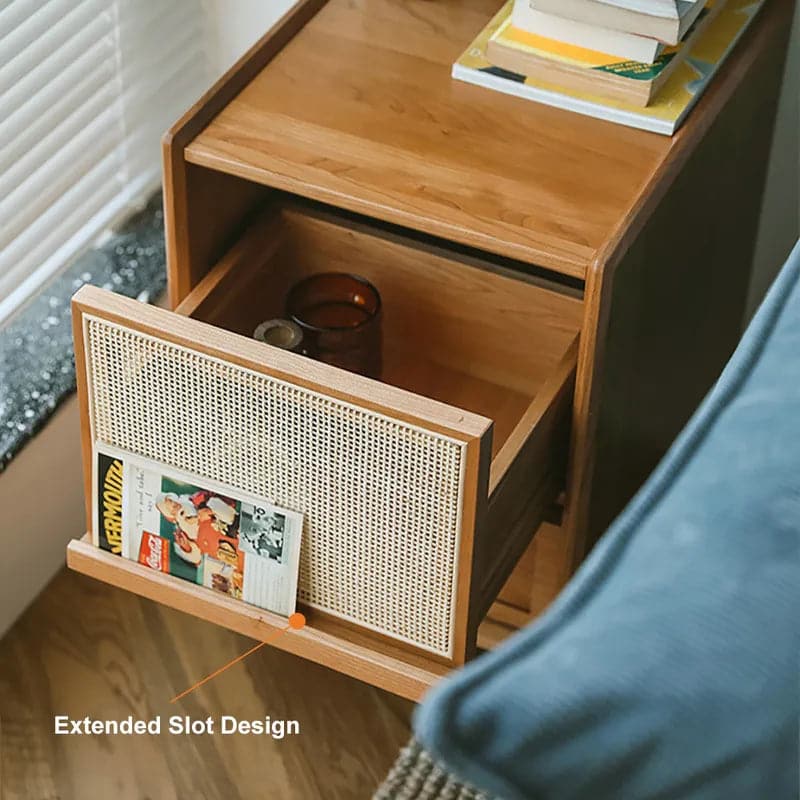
point(37, 367)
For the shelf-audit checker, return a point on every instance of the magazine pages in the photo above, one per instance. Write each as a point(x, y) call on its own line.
point(197, 530)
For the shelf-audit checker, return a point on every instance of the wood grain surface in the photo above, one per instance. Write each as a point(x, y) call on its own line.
point(359, 110)
point(459, 311)
point(84, 648)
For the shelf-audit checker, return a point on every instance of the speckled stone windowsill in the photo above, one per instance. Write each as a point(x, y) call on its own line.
point(37, 365)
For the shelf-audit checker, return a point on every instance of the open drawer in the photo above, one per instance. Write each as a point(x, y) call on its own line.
point(420, 491)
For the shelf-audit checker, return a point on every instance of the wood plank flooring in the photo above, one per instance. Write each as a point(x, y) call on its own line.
point(84, 648)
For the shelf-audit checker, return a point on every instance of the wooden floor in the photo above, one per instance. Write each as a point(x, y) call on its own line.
point(85, 648)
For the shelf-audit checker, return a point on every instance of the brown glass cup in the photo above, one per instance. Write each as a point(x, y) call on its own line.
point(340, 316)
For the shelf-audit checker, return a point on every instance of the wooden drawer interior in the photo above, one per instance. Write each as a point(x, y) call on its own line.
point(456, 331)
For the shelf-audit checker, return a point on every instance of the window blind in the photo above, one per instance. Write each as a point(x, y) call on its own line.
point(87, 87)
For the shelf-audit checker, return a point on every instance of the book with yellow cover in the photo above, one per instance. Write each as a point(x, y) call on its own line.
point(670, 106)
point(627, 46)
point(602, 74)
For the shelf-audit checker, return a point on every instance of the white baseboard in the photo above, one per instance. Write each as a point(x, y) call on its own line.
point(41, 509)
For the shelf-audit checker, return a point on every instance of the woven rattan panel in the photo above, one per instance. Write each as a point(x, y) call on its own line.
point(381, 498)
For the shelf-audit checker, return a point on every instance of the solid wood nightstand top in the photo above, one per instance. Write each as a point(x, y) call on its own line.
point(359, 110)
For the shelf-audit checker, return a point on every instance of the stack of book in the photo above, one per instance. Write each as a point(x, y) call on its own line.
point(642, 63)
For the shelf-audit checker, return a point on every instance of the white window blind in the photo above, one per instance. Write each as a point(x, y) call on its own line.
point(87, 87)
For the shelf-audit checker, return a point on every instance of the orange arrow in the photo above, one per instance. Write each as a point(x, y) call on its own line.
point(296, 622)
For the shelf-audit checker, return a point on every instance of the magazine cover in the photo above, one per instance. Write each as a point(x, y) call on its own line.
point(197, 530)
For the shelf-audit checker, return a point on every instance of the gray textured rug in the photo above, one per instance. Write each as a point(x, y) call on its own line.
point(416, 776)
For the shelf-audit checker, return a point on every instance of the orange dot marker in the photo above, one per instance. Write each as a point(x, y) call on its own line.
point(297, 621)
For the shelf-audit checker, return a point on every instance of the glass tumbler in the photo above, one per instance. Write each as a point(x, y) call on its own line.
point(340, 316)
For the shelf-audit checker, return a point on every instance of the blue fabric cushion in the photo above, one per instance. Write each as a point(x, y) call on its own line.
point(670, 666)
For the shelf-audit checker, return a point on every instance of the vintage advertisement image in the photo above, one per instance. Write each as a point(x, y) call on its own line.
point(197, 530)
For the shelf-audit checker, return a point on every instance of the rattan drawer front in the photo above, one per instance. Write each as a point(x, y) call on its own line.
point(386, 484)
point(375, 490)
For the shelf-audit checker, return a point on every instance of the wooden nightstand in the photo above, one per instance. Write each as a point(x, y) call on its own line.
point(560, 293)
